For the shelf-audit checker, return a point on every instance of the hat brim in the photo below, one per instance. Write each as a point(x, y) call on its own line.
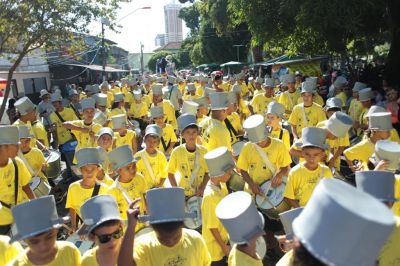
point(135, 159)
point(147, 218)
point(189, 125)
point(87, 229)
point(305, 145)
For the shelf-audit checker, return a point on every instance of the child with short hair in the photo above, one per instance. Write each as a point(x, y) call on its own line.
point(168, 138)
point(274, 114)
point(123, 135)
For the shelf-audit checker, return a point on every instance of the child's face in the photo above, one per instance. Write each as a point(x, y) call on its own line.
point(307, 97)
point(122, 131)
point(269, 92)
point(157, 98)
point(107, 232)
point(190, 135)
point(88, 114)
point(128, 170)
point(43, 245)
point(313, 155)
point(151, 142)
point(105, 141)
point(25, 144)
point(366, 104)
point(101, 108)
point(381, 135)
point(89, 171)
point(159, 120)
point(330, 136)
point(330, 113)
point(273, 120)
point(12, 150)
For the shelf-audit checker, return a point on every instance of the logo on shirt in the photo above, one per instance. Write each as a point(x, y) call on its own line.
point(175, 261)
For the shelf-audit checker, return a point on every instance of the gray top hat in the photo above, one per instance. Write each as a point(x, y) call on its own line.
point(137, 94)
point(56, 97)
point(156, 111)
point(219, 100)
point(339, 124)
point(313, 137)
point(154, 130)
point(105, 130)
point(340, 82)
point(100, 118)
point(312, 79)
point(191, 87)
point(365, 95)
point(359, 86)
point(237, 148)
point(157, 89)
point(120, 157)
point(232, 98)
point(375, 109)
point(186, 120)
point(24, 132)
point(287, 219)
point(104, 84)
point(101, 99)
point(219, 161)
point(86, 156)
point(239, 215)
point(236, 89)
point(118, 97)
point(189, 107)
point(380, 121)
point(239, 76)
point(379, 184)
point(332, 103)
point(9, 135)
point(334, 204)
point(97, 210)
point(288, 78)
point(209, 91)
point(43, 93)
point(24, 105)
point(388, 151)
point(259, 80)
point(119, 121)
point(308, 86)
point(256, 129)
point(87, 103)
point(165, 205)
point(35, 217)
point(202, 102)
point(269, 82)
point(276, 108)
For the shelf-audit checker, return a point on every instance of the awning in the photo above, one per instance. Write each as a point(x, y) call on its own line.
point(99, 68)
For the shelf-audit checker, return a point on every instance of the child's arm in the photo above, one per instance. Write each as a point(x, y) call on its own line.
point(292, 202)
point(172, 180)
point(277, 180)
point(254, 187)
point(295, 153)
point(71, 126)
point(72, 215)
point(225, 248)
point(134, 145)
point(203, 185)
point(125, 256)
point(28, 191)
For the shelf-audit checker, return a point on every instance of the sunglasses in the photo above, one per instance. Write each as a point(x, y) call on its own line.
point(106, 238)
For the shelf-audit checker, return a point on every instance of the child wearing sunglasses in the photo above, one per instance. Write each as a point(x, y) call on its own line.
point(102, 225)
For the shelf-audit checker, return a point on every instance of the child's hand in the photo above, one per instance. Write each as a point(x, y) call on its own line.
point(132, 213)
point(382, 165)
point(226, 249)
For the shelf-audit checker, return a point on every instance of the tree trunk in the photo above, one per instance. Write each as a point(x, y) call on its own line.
point(393, 59)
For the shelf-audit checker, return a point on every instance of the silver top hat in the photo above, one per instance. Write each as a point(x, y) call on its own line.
point(287, 219)
point(55, 97)
point(105, 130)
point(86, 156)
point(388, 151)
point(202, 102)
point(43, 92)
point(24, 105)
point(239, 215)
point(101, 99)
point(359, 86)
point(379, 184)
point(333, 103)
point(276, 108)
point(153, 130)
point(219, 100)
point(313, 137)
point(118, 97)
point(312, 79)
point(191, 87)
point(339, 124)
point(137, 94)
point(237, 148)
point(35, 217)
point(209, 91)
point(24, 132)
point(340, 82)
point(98, 210)
point(186, 120)
point(119, 121)
point(308, 86)
point(288, 78)
point(269, 83)
point(9, 135)
point(219, 161)
point(189, 107)
point(365, 95)
point(232, 98)
point(256, 129)
point(156, 111)
point(165, 205)
point(120, 157)
point(87, 103)
point(157, 89)
point(333, 204)
point(259, 80)
point(100, 118)
point(375, 109)
point(380, 121)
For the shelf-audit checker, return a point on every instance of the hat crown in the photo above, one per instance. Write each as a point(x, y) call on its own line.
point(287, 219)
point(365, 94)
point(157, 89)
point(219, 100)
point(100, 118)
point(219, 161)
point(185, 120)
point(288, 78)
point(259, 80)
point(190, 107)
point(119, 121)
point(153, 129)
point(86, 156)
point(308, 86)
point(9, 134)
point(106, 130)
point(339, 124)
point(43, 92)
point(24, 132)
point(313, 137)
point(380, 121)
point(379, 184)
point(388, 151)
point(375, 109)
point(120, 157)
point(56, 97)
point(191, 87)
point(156, 111)
point(256, 128)
point(118, 97)
point(87, 103)
point(202, 101)
point(232, 98)
point(269, 82)
point(340, 82)
point(276, 109)
point(359, 86)
point(334, 102)
point(312, 79)
point(24, 105)
point(101, 99)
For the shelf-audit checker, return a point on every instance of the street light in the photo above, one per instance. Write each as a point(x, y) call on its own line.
point(237, 50)
point(130, 13)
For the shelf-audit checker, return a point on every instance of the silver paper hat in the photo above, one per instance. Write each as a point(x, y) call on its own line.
point(9, 135)
point(365, 95)
point(287, 219)
point(313, 137)
point(256, 129)
point(120, 157)
point(119, 121)
point(24, 105)
point(379, 184)
point(88, 103)
point(219, 161)
point(186, 120)
point(380, 121)
point(339, 124)
point(87, 156)
point(219, 100)
point(189, 107)
point(388, 151)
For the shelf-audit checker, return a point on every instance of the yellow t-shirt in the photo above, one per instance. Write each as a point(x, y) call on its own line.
point(67, 255)
point(396, 205)
point(285, 136)
point(355, 109)
point(183, 161)
point(342, 96)
point(190, 250)
point(36, 159)
point(8, 251)
point(28, 124)
point(40, 133)
point(394, 136)
point(216, 135)
point(136, 188)
point(168, 135)
point(147, 98)
point(63, 135)
point(251, 161)
point(7, 177)
point(313, 114)
point(138, 110)
point(361, 152)
point(211, 197)
point(302, 181)
point(234, 119)
point(316, 99)
point(116, 111)
point(189, 97)
point(89, 258)
point(239, 258)
point(289, 99)
point(286, 260)
point(158, 164)
point(244, 88)
point(107, 180)
point(390, 254)
point(200, 91)
point(125, 140)
point(84, 139)
point(260, 103)
point(169, 112)
point(77, 195)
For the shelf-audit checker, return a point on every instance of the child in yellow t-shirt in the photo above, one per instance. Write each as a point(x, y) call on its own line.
point(138, 108)
point(123, 135)
point(41, 235)
point(8, 251)
point(89, 162)
point(232, 120)
point(168, 138)
point(304, 177)
point(152, 164)
point(190, 93)
point(275, 113)
point(118, 106)
point(259, 103)
point(188, 159)
point(105, 139)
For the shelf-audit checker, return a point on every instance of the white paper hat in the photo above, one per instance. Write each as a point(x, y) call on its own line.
point(219, 161)
point(339, 222)
point(239, 215)
point(375, 109)
point(313, 137)
point(157, 89)
point(96, 211)
point(34, 217)
point(276, 108)
point(379, 184)
point(100, 118)
point(24, 105)
point(43, 92)
point(232, 98)
point(256, 129)
point(287, 219)
point(219, 100)
point(137, 94)
point(339, 124)
point(259, 80)
point(388, 151)
point(119, 121)
point(86, 156)
point(24, 132)
point(156, 111)
point(105, 130)
point(120, 157)
point(359, 86)
point(340, 82)
point(154, 130)
point(9, 135)
point(186, 120)
point(380, 121)
point(101, 99)
point(365, 95)
point(56, 97)
point(88, 103)
point(190, 87)
point(189, 107)
point(269, 82)
point(308, 86)
point(333, 103)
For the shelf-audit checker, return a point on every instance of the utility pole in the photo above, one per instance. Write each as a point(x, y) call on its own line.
point(103, 52)
point(237, 50)
point(141, 59)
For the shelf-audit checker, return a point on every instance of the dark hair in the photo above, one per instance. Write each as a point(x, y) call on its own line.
point(11, 103)
point(105, 224)
point(191, 126)
point(114, 105)
point(302, 257)
point(167, 227)
point(313, 147)
point(217, 77)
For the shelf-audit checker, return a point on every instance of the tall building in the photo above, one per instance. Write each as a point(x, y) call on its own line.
point(160, 40)
point(173, 24)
